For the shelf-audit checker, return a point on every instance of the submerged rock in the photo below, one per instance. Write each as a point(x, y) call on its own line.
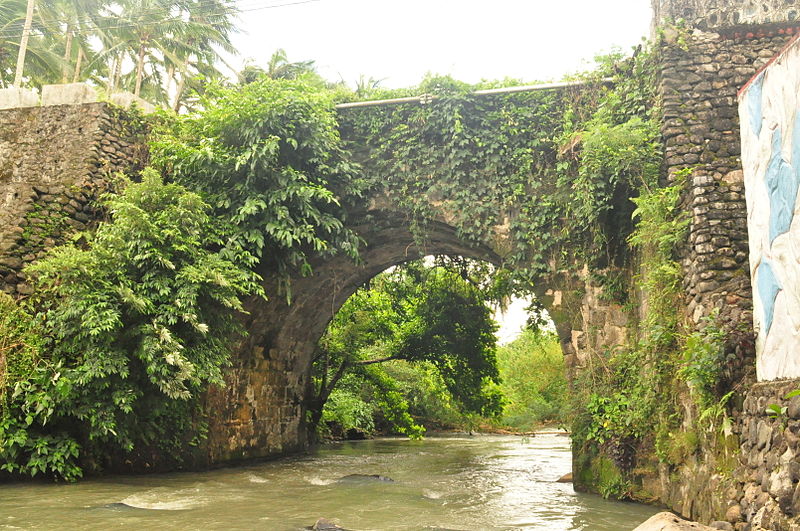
point(357, 478)
point(669, 522)
point(120, 506)
point(323, 524)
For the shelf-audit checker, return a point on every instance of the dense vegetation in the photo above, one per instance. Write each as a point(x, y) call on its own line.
point(129, 324)
point(416, 349)
point(428, 316)
point(533, 381)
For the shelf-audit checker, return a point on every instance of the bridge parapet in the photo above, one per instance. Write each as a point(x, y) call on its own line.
point(719, 15)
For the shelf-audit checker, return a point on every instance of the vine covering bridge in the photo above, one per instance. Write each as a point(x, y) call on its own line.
point(545, 183)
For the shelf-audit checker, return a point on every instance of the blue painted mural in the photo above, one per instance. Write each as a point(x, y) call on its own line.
point(769, 109)
point(783, 181)
point(754, 93)
point(768, 288)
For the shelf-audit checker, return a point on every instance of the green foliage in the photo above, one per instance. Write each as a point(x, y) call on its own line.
point(429, 316)
point(136, 323)
point(478, 158)
point(628, 401)
point(678, 446)
point(429, 401)
point(704, 355)
point(615, 160)
point(613, 417)
point(776, 411)
point(24, 408)
point(349, 411)
point(267, 157)
point(533, 380)
point(43, 223)
point(611, 482)
point(20, 344)
point(558, 166)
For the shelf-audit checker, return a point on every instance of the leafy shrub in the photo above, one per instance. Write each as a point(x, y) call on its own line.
point(533, 380)
point(703, 358)
point(267, 157)
point(139, 319)
point(347, 411)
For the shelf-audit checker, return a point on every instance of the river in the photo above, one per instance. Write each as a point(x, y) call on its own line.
point(484, 482)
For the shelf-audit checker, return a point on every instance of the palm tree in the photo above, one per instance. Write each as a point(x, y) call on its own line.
point(23, 44)
point(78, 18)
point(208, 26)
point(279, 66)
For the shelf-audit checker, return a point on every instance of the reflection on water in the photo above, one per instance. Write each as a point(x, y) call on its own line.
point(481, 482)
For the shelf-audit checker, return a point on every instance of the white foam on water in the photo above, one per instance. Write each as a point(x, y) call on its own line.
point(319, 481)
point(432, 495)
point(256, 479)
point(164, 500)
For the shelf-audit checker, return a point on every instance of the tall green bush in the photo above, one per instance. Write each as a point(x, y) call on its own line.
point(137, 321)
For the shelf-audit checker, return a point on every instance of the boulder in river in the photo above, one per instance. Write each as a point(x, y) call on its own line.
point(669, 522)
point(323, 524)
point(364, 478)
point(120, 506)
point(566, 478)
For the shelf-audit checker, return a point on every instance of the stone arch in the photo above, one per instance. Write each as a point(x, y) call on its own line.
point(261, 410)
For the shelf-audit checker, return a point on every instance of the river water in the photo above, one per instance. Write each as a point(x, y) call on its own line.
point(461, 482)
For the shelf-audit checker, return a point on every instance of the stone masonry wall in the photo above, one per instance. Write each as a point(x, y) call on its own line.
point(716, 14)
point(700, 78)
point(702, 71)
point(54, 163)
point(768, 490)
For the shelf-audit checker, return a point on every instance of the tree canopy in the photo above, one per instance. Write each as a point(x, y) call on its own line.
point(154, 48)
point(418, 314)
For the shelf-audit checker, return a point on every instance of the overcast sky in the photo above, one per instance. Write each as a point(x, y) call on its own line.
point(400, 41)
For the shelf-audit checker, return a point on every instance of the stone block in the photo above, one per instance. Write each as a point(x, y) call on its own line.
point(733, 514)
point(68, 94)
point(12, 98)
point(128, 100)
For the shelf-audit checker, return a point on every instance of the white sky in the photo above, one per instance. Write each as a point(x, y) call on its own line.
point(511, 321)
point(400, 41)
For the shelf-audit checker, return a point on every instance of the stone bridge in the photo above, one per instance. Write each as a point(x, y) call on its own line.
point(55, 159)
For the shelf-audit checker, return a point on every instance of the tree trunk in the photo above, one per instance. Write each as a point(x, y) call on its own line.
point(117, 73)
point(78, 60)
point(67, 53)
point(317, 404)
point(170, 76)
point(139, 71)
point(176, 104)
point(23, 44)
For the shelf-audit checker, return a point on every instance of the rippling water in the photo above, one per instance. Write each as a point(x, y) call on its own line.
point(457, 483)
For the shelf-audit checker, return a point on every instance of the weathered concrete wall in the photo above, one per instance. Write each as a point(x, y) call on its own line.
point(67, 94)
point(771, 160)
point(54, 162)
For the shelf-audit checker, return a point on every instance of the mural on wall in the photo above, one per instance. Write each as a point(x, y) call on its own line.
point(768, 108)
